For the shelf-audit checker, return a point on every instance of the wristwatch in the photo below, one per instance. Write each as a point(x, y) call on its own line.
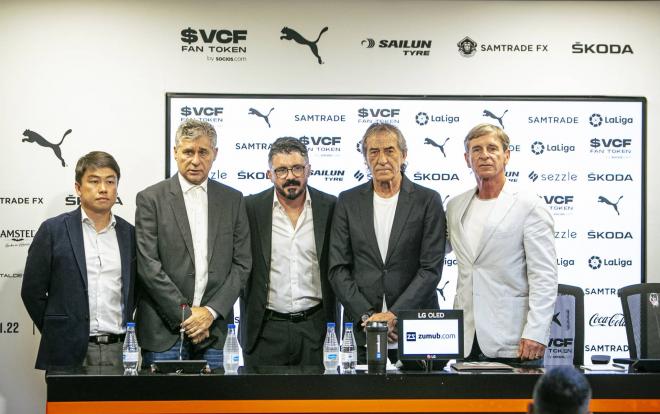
point(366, 315)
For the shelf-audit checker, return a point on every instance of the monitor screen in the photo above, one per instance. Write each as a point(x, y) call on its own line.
point(430, 334)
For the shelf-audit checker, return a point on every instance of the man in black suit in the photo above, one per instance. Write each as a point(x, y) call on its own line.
point(80, 273)
point(193, 249)
point(387, 241)
point(288, 299)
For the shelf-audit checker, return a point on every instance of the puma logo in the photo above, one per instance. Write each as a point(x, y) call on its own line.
point(35, 137)
point(555, 318)
point(441, 291)
point(615, 206)
point(492, 115)
point(429, 141)
point(290, 34)
point(253, 111)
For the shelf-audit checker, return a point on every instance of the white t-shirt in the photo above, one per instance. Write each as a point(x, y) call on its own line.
point(475, 219)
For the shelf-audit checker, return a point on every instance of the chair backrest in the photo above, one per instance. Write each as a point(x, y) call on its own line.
point(641, 312)
point(566, 345)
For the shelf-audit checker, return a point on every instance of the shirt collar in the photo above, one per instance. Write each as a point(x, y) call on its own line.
point(276, 201)
point(187, 185)
point(84, 218)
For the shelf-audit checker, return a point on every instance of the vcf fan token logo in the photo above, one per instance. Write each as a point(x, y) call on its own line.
point(290, 34)
point(422, 118)
point(467, 47)
point(595, 262)
point(31, 136)
point(538, 147)
point(368, 43)
point(595, 120)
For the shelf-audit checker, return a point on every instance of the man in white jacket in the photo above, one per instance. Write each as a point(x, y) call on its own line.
point(507, 266)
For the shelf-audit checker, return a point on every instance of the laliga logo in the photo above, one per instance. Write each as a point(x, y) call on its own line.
point(538, 147)
point(595, 262)
point(422, 118)
point(596, 120)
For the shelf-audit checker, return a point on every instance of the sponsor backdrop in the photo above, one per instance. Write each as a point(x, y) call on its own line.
point(583, 157)
point(79, 76)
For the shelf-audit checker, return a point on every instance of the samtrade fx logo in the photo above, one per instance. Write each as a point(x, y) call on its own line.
point(31, 136)
point(614, 205)
point(407, 47)
point(255, 112)
point(21, 201)
point(596, 262)
point(423, 118)
point(467, 47)
point(441, 147)
point(489, 114)
point(385, 115)
point(219, 45)
point(319, 117)
point(596, 120)
point(290, 34)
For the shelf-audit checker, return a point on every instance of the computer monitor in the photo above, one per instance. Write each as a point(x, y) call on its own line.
point(430, 334)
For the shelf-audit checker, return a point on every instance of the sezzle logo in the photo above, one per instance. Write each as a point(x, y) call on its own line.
point(435, 176)
point(72, 200)
point(220, 36)
point(429, 141)
point(386, 115)
point(422, 118)
point(565, 234)
point(31, 136)
point(615, 206)
point(597, 120)
point(489, 114)
point(253, 111)
point(609, 235)
point(539, 148)
point(603, 320)
point(601, 48)
point(319, 118)
point(553, 177)
point(290, 34)
point(467, 47)
point(609, 177)
point(596, 262)
point(565, 262)
point(408, 47)
point(21, 200)
point(552, 119)
point(359, 175)
point(600, 291)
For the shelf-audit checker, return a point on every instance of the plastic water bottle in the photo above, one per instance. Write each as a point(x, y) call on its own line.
point(131, 351)
point(231, 350)
point(330, 349)
point(348, 349)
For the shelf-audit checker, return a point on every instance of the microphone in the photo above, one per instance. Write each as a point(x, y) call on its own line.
point(182, 332)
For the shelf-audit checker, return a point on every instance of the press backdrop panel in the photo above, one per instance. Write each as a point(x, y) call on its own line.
point(583, 157)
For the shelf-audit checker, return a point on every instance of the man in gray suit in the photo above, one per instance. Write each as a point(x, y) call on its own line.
point(190, 262)
point(387, 240)
point(288, 298)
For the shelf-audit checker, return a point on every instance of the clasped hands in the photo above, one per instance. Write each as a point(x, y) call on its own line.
point(390, 318)
point(197, 325)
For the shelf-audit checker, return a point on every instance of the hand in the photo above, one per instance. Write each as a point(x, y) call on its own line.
point(529, 349)
point(388, 317)
point(200, 321)
point(199, 338)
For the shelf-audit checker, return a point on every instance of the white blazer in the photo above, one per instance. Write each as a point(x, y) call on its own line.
point(507, 288)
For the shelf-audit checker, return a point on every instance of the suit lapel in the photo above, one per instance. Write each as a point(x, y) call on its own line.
point(502, 206)
point(461, 209)
point(319, 214)
point(366, 208)
point(403, 207)
point(124, 242)
point(74, 228)
point(214, 201)
point(180, 216)
point(264, 215)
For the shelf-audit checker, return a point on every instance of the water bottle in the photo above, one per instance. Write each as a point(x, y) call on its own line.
point(131, 351)
point(230, 353)
point(348, 349)
point(330, 349)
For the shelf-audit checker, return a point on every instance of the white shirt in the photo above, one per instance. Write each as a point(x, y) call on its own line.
point(295, 277)
point(384, 210)
point(103, 262)
point(475, 219)
point(197, 208)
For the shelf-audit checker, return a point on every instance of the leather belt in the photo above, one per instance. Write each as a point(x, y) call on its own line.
point(106, 339)
point(293, 317)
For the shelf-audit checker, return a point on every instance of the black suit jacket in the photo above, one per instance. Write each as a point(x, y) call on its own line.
point(54, 288)
point(415, 255)
point(255, 296)
point(166, 260)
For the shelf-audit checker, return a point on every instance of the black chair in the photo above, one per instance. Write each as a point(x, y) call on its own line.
point(566, 345)
point(641, 312)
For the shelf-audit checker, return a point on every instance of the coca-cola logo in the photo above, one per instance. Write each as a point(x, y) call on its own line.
point(605, 320)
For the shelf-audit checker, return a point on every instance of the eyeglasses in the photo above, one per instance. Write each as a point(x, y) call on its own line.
point(296, 170)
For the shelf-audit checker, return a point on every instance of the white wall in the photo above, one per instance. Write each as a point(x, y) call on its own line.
point(102, 69)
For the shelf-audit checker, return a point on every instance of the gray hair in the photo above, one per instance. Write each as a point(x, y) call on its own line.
point(193, 128)
point(486, 129)
point(562, 389)
point(287, 145)
point(382, 127)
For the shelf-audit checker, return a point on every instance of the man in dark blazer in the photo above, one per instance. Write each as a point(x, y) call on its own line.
point(193, 246)
point(387, 241)
point(79, 275)
point(288, 299)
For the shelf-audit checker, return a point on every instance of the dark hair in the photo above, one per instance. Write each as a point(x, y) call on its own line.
point(96, 160)
point(382, 127)
point(287, 145)
point(562, 389)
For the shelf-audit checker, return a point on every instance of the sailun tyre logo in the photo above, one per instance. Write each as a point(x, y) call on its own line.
point(595, 262)
point(368, 43)
point(595, 120)
point(422, 118)
point(538, 147)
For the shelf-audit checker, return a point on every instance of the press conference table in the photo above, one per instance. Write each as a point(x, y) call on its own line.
point(309, 390)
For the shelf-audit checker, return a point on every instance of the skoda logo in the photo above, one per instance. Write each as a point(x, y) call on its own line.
point(422, 118)
point(595, 262)
point(538, 147)
point(595, 120)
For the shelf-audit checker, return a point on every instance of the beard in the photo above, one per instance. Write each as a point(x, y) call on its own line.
point(293, 191)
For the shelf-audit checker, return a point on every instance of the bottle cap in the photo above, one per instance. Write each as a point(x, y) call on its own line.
point(331, 324)
point(130, 325)
point(348, 325)
point(231, 326)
